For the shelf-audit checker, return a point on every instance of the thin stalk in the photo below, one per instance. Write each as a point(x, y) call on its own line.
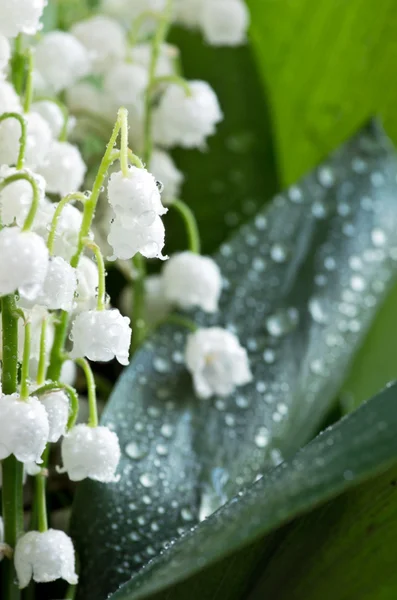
point(57, 354)
point(22, 139)
point(58, 211)
point(40, 492)
point(190, 223)
point(29, 82)
point(91, 391)
point(41, 369)
point(178, 320)
point(25, 363)
point(12, 470)
point(35, 198)
point(101, 300)
point(123, 112)
point(137, 312)
point(73, 397)
point(158, 40)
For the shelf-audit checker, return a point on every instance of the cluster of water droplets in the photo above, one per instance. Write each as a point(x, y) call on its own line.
point(301, 286)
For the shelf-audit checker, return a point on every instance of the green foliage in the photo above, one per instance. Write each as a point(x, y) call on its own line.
point(303, 283)
point(328, 67)
point(346, 454)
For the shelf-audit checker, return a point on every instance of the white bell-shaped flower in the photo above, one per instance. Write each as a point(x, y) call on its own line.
point(68, 373)
point(61, 60)
point(138, 195)
point(52, 113)
point(217, 362)
point(165, 171)
point(24, 428)
point(191, 280)
point(5, 52)
point(85, 96)
point(9, 99)
point(224, 22)
point(24, 262)
point(16, 198)
point(59, 285)
point(56, 404)
point(125, 84)
point(131, 10)
point(20, 16)
point(127, 237)
point(183, 120)
point(156, 307)
point(92, 452)
point(38, 140)
point(101, 336)
point(87, 284)
point(64, 169)
point(188, 12)
point(67, 231)
point(43, 557)
point(104, 39)
point(141, 54)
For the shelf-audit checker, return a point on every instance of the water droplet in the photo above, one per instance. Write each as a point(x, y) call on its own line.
point(261, 222)
point(147, 480)
point(186, 514)
point(161, 365)
point(242, 402)
point(279, 253)
point(269, 356)
point(262, 437)
point(161, 450)
point(134, 451)
point(378, 237)
point(326, 177)
point(357, 283)
point(295, 194)
point(317, 311)
point(167, 430)
point(282, 322)
point(319, 210)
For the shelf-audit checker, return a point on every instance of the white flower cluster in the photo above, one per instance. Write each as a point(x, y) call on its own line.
point(49, 263)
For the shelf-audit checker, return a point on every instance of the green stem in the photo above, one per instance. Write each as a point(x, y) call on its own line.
point(57, 355)
point(73, 397)
point(12, 470)
point(158, 40)
point(91, 391)
point(29, 82)
point(41, 369)
point(101, 300)
point(35, 197)
point(191, 225)
point(22, 139)
point(18, 65)
point(137, 316)
point(123, 114)
point(25, 363)
point(54, 223)
point(40, 492)
point(178, 320)
point(175, 79)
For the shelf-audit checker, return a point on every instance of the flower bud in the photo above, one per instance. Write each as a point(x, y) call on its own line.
point(128, 237)
point(16, 198)
point(217, 362)
point(64, 169)
point(24, 428)
point(24, 262)
point(104, 40)
point(191, 280)
point(20, 16)
point(61, 60)
point(38, 140)
point(224, 22)
point(56, 404)
point(92, 452)
point(59, 285)
point(137, 195)
point(101, 336)
point(183, 120)
point(45, 557)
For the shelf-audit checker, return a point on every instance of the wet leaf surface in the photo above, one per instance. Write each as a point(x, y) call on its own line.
point(353, 450)
point(302, 284)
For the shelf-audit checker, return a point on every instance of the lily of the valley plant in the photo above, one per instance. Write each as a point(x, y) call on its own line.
point(56, 315)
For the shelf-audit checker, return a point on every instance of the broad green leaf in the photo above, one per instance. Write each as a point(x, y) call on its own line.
point(343, 551)
point(231, 179)
point(328, 66)
point(346, 454)
point(375, 364)
point(302, 284)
